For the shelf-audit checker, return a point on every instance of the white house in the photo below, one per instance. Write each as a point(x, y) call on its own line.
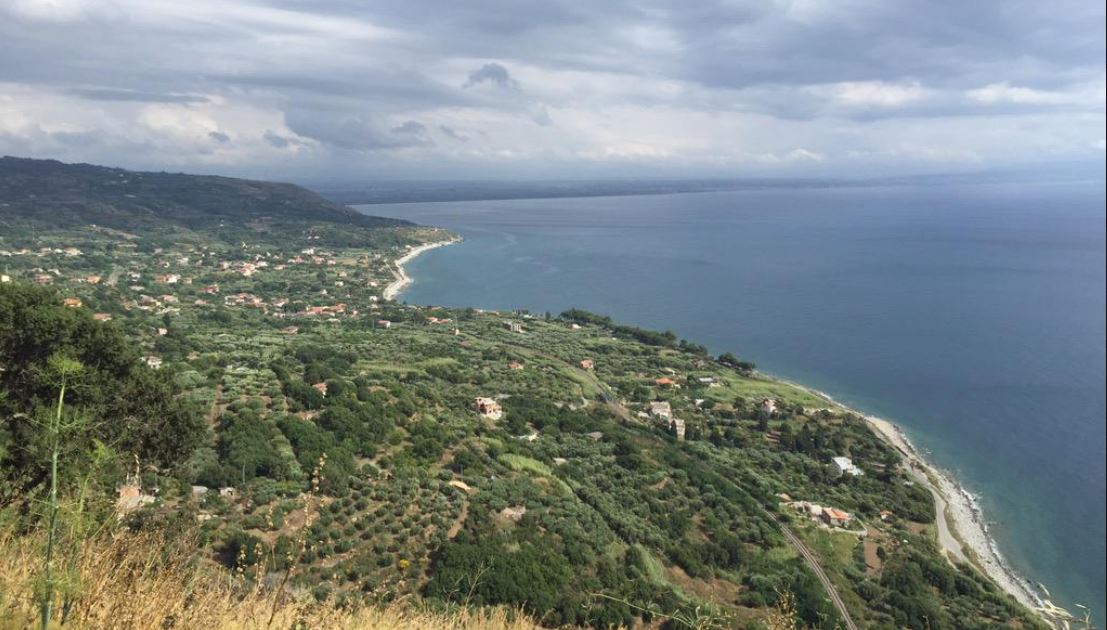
point(844, 466)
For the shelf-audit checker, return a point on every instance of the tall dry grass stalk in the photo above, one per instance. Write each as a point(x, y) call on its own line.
point(146, 580)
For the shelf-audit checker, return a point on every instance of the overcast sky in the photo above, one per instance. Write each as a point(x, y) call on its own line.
point(490, 89)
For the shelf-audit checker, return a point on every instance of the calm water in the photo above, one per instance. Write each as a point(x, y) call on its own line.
point(971, 315)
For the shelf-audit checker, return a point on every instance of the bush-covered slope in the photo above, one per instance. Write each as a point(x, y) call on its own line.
point(324, 443)
point(66, 195)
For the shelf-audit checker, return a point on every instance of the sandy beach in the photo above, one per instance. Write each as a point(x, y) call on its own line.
point(962, 527)
point(402, 280)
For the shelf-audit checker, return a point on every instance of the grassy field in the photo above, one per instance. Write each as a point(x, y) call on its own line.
point(756, 388)
point(520, 463)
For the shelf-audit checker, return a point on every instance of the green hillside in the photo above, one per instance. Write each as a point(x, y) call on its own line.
point(51, 194)
point(260, 395)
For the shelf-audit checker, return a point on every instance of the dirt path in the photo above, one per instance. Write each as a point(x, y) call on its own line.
point(459, 521)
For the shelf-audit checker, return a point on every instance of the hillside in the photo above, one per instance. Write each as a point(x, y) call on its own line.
point(342, 448)
point(48, 193)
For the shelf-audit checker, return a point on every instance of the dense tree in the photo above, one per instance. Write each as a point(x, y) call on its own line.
point(131, 409)
point(532, 576)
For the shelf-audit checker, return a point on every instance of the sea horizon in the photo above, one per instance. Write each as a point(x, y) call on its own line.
point(510, 259)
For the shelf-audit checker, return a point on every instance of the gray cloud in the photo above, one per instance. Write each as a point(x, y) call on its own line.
point(355, 132)
point(558, 87)
point(115, 94)
point(452, 133)
point(275, 139)
point(491, 73)
point(410, 128)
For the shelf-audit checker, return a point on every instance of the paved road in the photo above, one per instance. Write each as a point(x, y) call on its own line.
point(951, 547)
point(813, 562)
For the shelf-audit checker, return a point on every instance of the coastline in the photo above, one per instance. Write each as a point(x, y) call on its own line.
point(962, 528)
point(402, 280)
point(963, 533)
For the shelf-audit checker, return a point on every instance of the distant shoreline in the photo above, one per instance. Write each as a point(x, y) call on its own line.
point(402, 280)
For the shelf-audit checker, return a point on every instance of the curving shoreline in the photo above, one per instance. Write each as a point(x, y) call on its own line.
point(963, 532)
point(962, 527)
point(402, 280)
point(960, 514)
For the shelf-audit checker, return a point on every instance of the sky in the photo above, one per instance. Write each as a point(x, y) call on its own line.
point(500, 89)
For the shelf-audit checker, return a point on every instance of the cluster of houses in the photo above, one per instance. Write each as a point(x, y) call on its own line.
point(829, 516)
point(160, 304)
point(333, 309)
point(44, 251)
point(670, 382)
point(248, 300)
point(174, 269)
point(130, 496)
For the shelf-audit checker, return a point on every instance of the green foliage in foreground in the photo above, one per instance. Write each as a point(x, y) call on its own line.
point(129, 408)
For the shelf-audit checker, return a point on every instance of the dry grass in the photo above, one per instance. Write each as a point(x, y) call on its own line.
point(145, 580)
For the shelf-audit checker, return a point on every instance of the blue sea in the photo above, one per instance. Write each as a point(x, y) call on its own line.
point(970, 314)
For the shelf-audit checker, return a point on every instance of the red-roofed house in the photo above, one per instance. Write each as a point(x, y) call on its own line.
point(835, 517)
